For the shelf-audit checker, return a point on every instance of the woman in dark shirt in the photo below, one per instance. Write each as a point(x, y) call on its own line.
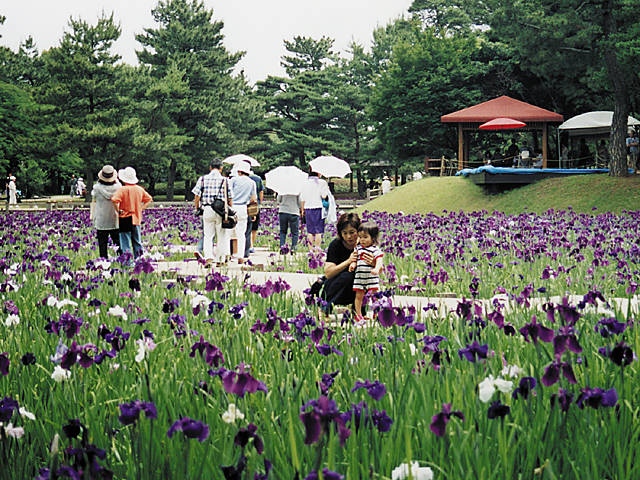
point(338, 282)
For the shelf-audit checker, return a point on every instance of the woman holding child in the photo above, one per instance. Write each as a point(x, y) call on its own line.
point(338, 283)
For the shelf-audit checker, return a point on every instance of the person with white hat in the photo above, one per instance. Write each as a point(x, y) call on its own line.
point(104, 216)
point(81, 187)
point(130, 200)
point(244, 190)
point(12, 189)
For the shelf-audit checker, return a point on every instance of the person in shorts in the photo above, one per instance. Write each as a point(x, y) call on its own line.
point(315, 191)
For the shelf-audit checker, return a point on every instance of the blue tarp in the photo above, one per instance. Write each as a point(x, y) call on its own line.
point(529, 171)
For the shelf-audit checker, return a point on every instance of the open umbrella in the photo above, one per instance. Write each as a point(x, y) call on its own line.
point(502, 123)
point(330, 166)
point(285, 180)
point(233, 159)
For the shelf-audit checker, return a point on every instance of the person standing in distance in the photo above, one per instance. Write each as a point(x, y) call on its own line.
point(244, 190)
point(256, 220)
point(207, 188)
point(105, 217)
point(315, 191)
point(129, 201)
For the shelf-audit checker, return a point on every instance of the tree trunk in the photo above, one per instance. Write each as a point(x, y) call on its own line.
point(617, 76)
point(171, 179)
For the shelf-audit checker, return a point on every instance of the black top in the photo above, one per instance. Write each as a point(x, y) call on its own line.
point(337, 252)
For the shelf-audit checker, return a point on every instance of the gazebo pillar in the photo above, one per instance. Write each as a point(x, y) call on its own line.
point(461, 147)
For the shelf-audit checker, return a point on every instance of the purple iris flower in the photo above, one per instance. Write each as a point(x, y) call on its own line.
point(525, 387)
point(496, 317)
point(498, 410)
point(568, 313)
point(327, 381)
point(376, 390)
point(607, 327)
point(432, 343)
point(143, 265)
point(245, 434)
point(273, 320)
point(622, 354)
point(563, 398)
point(68, 323)
point(566, 339)
point(326, 349)
point(73, 428)
point(239, 383)
point(7, 406)
point(552, 373)
point(439, 420)
point(117, 339)
point(170, 305)
point(215, 281)
point(326, 474)
point(11, 308)
point(190, 428)
point(130, 412)
point(474, 351)
point(317, 417)
point(82, 354)
point(597, 397)
point(212, 354)
point(387, 317)
point(134, 284)
point(236, 310)
point(360, 416)
point(28, 359)
point(533, 331)
point(4, 364)
point(591, 298)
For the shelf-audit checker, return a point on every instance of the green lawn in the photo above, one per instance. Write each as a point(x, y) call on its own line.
point(582, 193)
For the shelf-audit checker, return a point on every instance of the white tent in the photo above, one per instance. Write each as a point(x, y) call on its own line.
point(592, 124)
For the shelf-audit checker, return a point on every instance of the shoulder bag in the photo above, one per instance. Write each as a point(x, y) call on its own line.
point(220, 201)
point(253, 208)
point(229, 217)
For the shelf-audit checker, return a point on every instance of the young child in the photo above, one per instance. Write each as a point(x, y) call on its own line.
point(367, 278)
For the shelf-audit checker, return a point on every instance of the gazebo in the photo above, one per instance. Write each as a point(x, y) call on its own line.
point(470, 118)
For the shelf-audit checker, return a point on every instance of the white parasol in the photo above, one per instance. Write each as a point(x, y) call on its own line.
point(285, 180)
point(330, 166)
point(234, 159)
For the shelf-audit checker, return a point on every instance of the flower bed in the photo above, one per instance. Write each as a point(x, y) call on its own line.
point(108, 371)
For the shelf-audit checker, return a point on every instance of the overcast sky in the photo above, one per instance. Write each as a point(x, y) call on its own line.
point(258, 27)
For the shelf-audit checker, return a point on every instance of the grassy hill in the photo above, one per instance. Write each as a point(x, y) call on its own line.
point(583, 193)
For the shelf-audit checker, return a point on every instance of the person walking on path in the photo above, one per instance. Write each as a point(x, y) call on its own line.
point(13, 191)
point(73, 183)
point(81, 187)
point(289, 211)
point(315, 194)
point(207, 189)
point(255, 223)
point(129, 201)
point(103, 214)
point(244, 190)
point(633, 148)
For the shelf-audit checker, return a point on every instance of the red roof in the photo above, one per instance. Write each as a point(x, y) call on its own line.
point(502, 107)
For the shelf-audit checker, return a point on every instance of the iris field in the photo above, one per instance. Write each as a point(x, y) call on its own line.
point(109, 371)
